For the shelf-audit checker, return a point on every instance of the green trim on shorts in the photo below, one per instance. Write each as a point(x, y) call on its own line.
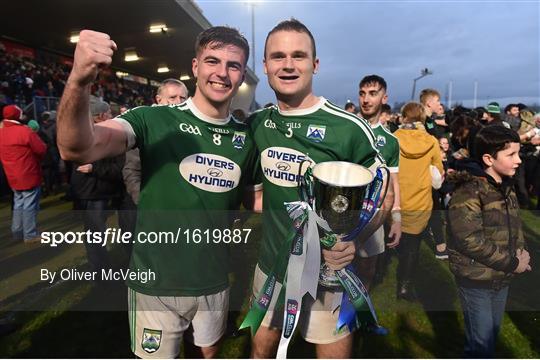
point(151, 291)
point(130, 320)
point(133, 314)
point(135, 320)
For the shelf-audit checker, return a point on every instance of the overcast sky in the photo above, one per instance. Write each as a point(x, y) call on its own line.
point(496, 43)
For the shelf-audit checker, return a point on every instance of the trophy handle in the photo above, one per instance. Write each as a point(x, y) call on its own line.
point(363, 219)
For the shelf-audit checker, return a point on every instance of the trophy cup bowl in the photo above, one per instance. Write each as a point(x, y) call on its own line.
point(340, 189)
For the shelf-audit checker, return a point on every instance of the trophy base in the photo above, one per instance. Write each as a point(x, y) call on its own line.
point(330, 285)
point(329, 279)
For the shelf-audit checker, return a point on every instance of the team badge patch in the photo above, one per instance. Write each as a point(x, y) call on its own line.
point(381, 141)
point(316, 132)
point(239, 139)
point(151, 340)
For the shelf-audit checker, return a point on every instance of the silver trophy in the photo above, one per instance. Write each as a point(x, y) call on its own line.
point(341, 190)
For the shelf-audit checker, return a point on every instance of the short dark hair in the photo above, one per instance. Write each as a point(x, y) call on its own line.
point(496, 117)
point(461, 110)
point(292, 25)
point(219, 36)
point(373, 79)
point(480, 111)
point(349, 105)
point(386, 109)
point(509, 107)
point(492, 139)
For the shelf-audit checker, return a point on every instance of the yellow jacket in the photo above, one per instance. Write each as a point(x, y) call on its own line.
point(417, 151)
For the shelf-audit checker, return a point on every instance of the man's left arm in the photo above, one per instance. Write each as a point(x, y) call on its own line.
point(395, 228)
point(252, 198)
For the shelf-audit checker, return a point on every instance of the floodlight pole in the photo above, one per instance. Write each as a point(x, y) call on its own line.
point(475, 93)
point(252, 4)
point(423, 72)
point(450, 89)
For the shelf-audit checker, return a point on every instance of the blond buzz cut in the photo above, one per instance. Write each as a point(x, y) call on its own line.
point(426, 94)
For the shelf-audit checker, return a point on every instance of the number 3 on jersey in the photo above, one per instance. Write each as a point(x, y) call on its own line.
point(217, 139)
point(289, 132)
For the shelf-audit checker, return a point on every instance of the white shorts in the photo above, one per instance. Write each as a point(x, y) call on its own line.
point(374, 245)
point(317, 323)
point(158, 323)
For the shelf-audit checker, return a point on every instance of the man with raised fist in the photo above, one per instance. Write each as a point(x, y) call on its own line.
point(193, 158)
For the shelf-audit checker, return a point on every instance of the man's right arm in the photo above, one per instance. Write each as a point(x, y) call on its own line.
point(77, 137)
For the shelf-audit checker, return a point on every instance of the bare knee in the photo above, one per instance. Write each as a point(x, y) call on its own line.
point(192, 351)
point(341, 349)
point(265, 343)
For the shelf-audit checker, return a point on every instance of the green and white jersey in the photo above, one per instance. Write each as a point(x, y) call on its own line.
point(388, 146)
point(192, 174)
point(284, 140)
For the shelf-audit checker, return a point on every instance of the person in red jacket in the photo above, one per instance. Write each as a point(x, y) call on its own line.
point(21, 151)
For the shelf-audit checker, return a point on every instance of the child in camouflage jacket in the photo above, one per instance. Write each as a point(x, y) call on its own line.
point(486, 246)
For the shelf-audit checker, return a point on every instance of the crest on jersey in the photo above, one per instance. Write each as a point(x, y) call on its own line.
point(151, 340)
point(381, 141)
point(239, 139)
point(316, 132)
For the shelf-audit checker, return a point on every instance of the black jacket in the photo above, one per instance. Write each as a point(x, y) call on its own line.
point(104, 182)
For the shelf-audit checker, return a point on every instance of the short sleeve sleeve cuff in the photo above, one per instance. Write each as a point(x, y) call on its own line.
point(131, 138)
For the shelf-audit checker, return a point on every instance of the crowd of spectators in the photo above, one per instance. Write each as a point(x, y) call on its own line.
point(23, 78)
point(458, 127)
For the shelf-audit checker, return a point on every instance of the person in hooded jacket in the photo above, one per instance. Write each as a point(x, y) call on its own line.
point(418, 152)
point(487, 246)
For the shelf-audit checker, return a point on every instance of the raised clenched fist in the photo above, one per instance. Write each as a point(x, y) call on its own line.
point(94, 50)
